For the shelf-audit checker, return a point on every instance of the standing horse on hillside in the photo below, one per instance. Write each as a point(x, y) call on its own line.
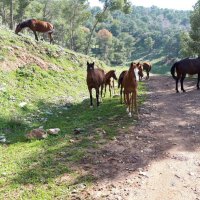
point(147, 67)
point(130, 89)
point(121, 77)
point(95, 79)
point(107, 80)
point(183, 67)
point(36, 26)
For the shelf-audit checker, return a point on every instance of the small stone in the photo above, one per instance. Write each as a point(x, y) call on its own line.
point(53, 131)
point(22, 104)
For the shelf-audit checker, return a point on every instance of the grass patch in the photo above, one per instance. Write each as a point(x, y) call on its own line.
point(47, 169)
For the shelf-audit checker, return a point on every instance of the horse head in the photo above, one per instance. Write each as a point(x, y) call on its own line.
point(114, 75)
point(18, 28)
point(140, 68)
point(90, 66)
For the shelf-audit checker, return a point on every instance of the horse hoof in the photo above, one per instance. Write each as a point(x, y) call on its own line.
point(177, 91)
point(129, 114)
point(127, 110)
point(91, 107)
point(184, 91)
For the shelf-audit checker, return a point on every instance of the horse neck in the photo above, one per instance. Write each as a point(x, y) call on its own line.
point(131, 72)
point(25, 24)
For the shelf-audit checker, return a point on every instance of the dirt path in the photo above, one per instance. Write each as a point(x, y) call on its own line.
point(159, 159)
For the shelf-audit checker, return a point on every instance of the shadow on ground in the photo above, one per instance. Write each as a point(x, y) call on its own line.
point(110, 143)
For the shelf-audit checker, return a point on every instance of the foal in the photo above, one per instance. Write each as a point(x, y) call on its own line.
point(36, 26)
point(95, 79)
point(107, 80)
point(130, 89)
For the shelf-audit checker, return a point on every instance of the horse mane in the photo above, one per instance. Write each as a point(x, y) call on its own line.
point(26, 23)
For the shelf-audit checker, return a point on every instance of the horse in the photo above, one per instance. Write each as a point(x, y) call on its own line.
point(120, 80)
point(140, 72)
point(147, 67)
point(121, 76)
point(130, 88)
point(36, 26)
point(95, 79)
point(183, 67)
point(107, 80)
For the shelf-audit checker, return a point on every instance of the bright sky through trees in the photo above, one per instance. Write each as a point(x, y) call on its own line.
point(173, 4)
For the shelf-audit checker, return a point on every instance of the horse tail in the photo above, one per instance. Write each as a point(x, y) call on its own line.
point(173, 70)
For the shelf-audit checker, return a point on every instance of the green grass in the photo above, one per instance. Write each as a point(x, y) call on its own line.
point(47, 169)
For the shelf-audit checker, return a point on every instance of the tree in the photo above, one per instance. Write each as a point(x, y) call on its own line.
point(149, 43)
point(104, 41)
point(109, 5)
point(11, 14)
point(195, 29)
point(75, 13)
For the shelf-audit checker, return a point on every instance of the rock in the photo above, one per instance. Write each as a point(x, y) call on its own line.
point(53, 131)
point(2, 139)
point(22, 104)
point(37, 134)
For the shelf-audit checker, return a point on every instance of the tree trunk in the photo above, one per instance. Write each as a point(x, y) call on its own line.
point(91, 34)
point(11, 14)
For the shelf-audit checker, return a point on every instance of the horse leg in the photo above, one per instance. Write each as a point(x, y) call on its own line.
point(148, 74)
point(91, 104)
point(105, 90)
point(128, 98)
point(177, 79)
point(110, 89)
point(97, 96)
point(135, 102)
point(121, 94)
point(36, 37)
point(114, 87)
point(182, 78)
point(198, 81)
point(50, 38)
point(102, 92)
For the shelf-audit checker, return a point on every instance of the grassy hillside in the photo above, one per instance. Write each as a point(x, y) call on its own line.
point(44, 85)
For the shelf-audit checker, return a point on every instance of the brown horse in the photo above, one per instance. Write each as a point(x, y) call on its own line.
point(107, 80)
point(183, 67)
point(121, 76)
point(130, 88)
point(95, 79)
point(36, 26)
point(147, 67)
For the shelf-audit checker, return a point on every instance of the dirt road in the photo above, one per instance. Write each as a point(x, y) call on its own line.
point(159, 159)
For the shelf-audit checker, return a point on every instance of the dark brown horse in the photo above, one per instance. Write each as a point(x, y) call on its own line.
point(121, 77)
point(95, 79)
point(130, 89)
point(147, 67)
point(36, 26)
point(107, 80)
point(183, 67)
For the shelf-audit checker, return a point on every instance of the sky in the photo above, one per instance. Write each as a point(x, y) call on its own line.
point(172, 4)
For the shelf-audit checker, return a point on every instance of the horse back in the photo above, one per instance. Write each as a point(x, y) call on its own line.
point(41, 26)
point(188, 66)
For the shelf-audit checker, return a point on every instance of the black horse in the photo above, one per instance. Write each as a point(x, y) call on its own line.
point(183, 67)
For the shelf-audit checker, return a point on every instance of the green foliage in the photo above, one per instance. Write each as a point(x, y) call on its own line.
point(195, 29)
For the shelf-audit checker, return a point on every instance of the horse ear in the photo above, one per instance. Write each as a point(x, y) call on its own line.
point(87, 63)
point(93, 63)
